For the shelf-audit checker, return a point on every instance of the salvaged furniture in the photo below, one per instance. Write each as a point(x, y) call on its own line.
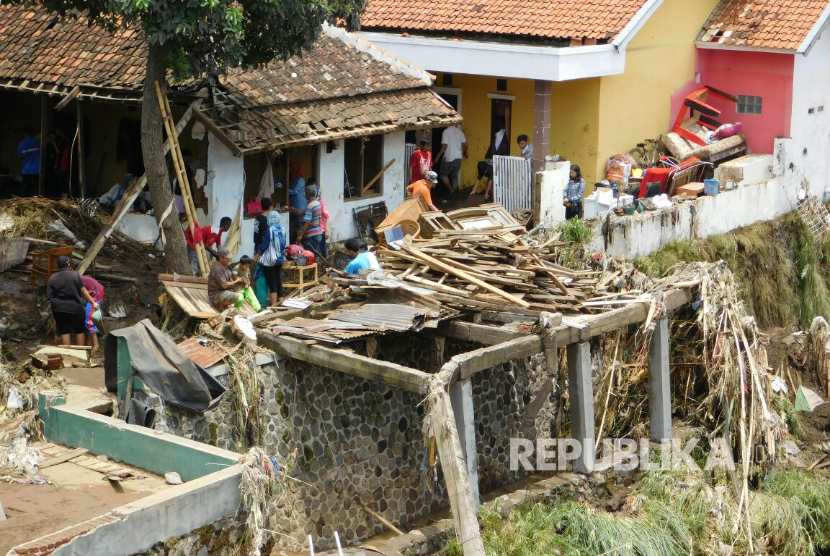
point(45, 263)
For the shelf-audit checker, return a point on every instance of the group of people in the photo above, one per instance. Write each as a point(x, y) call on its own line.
point(309, 220)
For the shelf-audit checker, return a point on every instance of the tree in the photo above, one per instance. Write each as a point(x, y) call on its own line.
point(201, 38)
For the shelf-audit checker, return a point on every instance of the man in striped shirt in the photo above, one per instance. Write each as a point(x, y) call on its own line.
point(312, 232)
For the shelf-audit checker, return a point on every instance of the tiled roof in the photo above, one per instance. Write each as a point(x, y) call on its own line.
point(38, 48)
point(294, 124)
point(538, 19)
point(775, 24)
point(341, 87)
point(329, 69)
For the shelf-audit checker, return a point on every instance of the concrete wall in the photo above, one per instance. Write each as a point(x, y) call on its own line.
point(763, 74)
point(810, 128)
point(225, 189)
point(341, 221)
point(642, 234)
point(351, 439)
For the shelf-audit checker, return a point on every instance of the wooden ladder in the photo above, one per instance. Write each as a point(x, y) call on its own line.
point(181, 176)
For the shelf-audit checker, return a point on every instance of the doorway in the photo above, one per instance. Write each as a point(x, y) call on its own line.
point(501, 110)
point(453, 98)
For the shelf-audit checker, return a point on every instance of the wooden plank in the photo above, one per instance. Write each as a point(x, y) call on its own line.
point(379, 175)
point(410, 380)
point(440, 265)
point(63, 458)
point(453, 465)
point(478, 333)
point(72, 95)
point(478, 360)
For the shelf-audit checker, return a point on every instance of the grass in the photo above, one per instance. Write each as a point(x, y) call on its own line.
point(673, 514)
point(576, 231)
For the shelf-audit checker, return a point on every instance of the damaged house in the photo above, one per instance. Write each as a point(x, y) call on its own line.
point(338, 113)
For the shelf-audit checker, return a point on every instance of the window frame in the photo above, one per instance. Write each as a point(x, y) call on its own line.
point(750, 105)
point(378, 188)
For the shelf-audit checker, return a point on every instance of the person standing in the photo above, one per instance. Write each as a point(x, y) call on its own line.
point(453, 151)
point(312, 233)
point(421, 189)
point(92, 314)
point(573, 193)
point(296, 199)
point(67, 295)
point(270, 250)
point(420, 162)
point(29, 152)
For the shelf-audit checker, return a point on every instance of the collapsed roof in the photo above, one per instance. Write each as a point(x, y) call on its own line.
point(787, 25)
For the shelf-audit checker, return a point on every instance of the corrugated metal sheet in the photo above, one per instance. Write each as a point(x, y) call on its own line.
point(512, 182)
point(385, 316)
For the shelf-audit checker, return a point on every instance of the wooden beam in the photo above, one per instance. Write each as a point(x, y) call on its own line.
point(79, 113)
point(392, 374)
point(72, 95)
point(478, 333)
point(470, 363)
point(214, 129)
point(454, 467)
point(44, 132)
point(379, 175)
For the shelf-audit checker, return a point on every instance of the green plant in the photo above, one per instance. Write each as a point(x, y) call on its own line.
point(576, 231)
point(810, 497)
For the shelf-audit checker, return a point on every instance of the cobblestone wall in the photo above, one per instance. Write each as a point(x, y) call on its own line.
point(349, 441)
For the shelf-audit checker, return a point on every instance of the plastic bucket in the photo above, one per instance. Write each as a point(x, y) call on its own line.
point(711, 187)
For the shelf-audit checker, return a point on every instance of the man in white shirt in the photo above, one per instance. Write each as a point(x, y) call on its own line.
point(453, 151)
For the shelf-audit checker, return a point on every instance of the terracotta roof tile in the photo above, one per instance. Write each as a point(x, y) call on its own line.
point(537, 19)
point(38, 47)
point(776, 24)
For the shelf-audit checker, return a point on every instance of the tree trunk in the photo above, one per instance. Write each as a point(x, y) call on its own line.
point(155, 165)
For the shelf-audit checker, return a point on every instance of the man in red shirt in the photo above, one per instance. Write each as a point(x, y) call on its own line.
point(420, 162)
point(204, 235)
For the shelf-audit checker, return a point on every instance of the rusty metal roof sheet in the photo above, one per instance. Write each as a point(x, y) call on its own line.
point(385, 316)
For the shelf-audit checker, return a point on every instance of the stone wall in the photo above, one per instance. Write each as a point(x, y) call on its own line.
point(348, 441)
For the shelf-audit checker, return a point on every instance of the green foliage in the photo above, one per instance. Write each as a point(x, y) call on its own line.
point(780, 268)
point(575, 529)
point(212, 35)
point(576, 230)
point(809, 498)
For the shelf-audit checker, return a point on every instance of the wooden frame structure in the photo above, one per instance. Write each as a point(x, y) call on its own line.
point(449, 392)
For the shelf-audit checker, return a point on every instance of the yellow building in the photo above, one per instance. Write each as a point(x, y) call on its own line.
point(603, 75)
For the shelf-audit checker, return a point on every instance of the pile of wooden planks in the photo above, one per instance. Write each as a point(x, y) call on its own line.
point(491, 270)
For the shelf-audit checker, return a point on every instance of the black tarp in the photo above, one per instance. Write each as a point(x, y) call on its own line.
point(165, 370)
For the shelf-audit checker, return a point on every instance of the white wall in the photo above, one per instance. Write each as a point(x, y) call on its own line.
point(811, 131)
point(642, 234)
point(225, 189)
point(341, 220)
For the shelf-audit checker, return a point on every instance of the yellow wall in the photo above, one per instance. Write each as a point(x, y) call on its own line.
point(475, 108)
point(660, 61)
point(574, 132)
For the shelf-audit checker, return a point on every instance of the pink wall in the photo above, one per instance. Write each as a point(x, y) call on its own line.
point(763, 74)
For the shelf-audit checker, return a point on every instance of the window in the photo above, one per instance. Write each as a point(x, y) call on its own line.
point(749, 104)
point(364, 167)
point(446, 79)
point(501, 85)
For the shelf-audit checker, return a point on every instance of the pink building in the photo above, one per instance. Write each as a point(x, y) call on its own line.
point(775, 56)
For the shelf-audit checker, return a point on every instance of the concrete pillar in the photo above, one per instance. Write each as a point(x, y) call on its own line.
point(659, 384)
point(461, 396)
point(541, 118)
point(581, 390)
